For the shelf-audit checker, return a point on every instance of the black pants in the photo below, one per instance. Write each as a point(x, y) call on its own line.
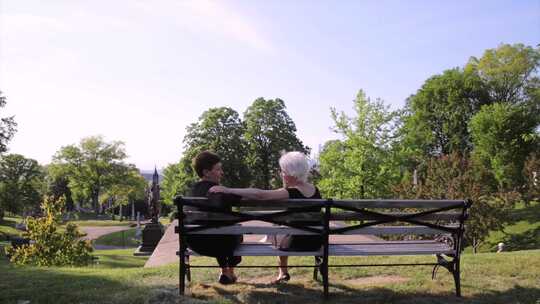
point(219, 246)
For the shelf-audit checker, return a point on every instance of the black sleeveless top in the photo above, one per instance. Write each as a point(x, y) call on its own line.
point(299, 242)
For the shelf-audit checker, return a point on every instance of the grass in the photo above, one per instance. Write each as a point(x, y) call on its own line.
point(7, 227)
point(124, 238)
point(118, 277)
point(522, 232)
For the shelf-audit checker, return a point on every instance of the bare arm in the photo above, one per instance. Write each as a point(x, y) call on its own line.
point(253, 193)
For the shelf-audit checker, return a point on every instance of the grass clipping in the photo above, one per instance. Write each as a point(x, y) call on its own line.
point(48, 246)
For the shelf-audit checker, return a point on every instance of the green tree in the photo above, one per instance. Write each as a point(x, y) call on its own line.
point(363, 164)
point(269, 132)
point(504, 135)
point(7, 127)
point(94, 165)
point(508, 72)
point(21, 183)
point(220, 130)
point(129, 187)
point(457, 177)
point(437, 116)
point(531, 172)
point(177, 180)
point(57, 180)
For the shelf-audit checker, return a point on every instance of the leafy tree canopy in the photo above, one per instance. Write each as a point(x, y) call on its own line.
point(363, 163)
point(21, 183)
point(269, 131)
point(7, 127)
point(93, 166)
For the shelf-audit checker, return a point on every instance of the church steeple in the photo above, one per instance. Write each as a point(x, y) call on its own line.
point(155, 177)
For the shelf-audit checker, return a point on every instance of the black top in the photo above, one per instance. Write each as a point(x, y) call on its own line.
point(300, 242)
point(295, 193)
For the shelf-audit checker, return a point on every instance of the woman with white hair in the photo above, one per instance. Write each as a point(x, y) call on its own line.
point(294, 173)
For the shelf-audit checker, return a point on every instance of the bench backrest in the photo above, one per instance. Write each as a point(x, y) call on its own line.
point(326, 217)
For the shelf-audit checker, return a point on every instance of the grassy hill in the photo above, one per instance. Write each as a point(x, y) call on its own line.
point(522, 232)
point(119, 278)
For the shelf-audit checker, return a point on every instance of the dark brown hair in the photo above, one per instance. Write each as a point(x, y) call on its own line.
point(204, 160)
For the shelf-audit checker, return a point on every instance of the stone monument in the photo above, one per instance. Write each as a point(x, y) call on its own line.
point(153, 231)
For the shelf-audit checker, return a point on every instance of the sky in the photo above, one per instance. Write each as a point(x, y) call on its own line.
point(141, 71)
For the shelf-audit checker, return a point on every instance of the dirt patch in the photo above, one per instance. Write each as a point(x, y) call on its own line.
point(378, 280)
point(259, 280)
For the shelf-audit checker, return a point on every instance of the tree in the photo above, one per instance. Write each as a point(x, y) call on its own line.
point(129, 187)
point(362, 164)
point(437, 116)
point(177, 180)
point(269, 132)
point(457, 177)
point(57, 180)
point(531, 172)
point(220, 130)
point(93, 166)
point(508, 72)
point(504, 135)
point(7, 127)
point(21, 183)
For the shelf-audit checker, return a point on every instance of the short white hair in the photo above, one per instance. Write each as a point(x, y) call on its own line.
point(295, 164)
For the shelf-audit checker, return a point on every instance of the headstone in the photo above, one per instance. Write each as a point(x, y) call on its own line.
point(500, 247)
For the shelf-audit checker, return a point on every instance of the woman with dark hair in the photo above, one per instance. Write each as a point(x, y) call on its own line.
point(294, 173)
point(208, 168)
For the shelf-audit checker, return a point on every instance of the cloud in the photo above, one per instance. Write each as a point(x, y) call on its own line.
point(212, 17)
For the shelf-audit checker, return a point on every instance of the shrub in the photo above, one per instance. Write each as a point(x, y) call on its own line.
point(48, 246)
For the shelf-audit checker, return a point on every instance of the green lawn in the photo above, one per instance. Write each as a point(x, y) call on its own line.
point(7, 227)
point(119, 278)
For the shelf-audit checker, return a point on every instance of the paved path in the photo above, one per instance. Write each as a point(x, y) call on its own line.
point(93, 233)
point(165, 252)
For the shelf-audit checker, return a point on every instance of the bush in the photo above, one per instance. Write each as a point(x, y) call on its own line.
point(48, 246)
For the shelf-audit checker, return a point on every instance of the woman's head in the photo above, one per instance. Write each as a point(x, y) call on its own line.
point(294, 164)
point(208, 166)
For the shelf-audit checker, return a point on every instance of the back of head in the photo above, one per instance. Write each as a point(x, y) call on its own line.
point(204, 161)
point(295, 164)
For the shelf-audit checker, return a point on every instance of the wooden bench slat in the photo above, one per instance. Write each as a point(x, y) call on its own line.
point(399, 203)
point(272, 230)
point(390, 248)
point(237, 229)
point(387, 230)
point(350, 216)
point(194, 216)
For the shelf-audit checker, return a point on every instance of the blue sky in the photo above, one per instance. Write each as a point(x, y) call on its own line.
point(141, 71)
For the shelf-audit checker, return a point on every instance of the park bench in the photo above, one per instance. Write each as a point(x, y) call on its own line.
point(410, 227)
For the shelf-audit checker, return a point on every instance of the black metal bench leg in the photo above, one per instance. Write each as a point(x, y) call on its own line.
point(324, 274)
point(457, 279)
point(188, 269)
point(182, 283)
point(316, 269)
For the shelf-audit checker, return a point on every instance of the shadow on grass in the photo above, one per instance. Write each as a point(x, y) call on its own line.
point(529, 239)
point(66, 285)
point(292, 293)
point(529, 213)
